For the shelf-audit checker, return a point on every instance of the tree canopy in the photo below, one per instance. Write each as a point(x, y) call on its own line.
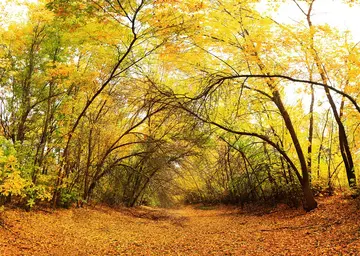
point(163, 101)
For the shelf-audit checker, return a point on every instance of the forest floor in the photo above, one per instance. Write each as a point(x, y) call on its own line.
point(332, 229)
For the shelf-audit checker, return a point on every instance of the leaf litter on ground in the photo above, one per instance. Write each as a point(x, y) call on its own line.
point(332, 229)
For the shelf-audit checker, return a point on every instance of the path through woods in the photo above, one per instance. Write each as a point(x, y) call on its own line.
point(332, 229)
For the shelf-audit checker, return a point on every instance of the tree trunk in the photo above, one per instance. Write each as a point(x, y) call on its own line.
point(88, 163)
point(344, 144)
point(311, 132)
point(40, 151)
point(321, 143)
point(309, 200)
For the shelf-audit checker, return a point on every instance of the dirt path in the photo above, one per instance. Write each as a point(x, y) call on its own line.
point(333, 229)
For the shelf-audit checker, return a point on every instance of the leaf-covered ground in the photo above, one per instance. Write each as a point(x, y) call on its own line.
point(332, 229)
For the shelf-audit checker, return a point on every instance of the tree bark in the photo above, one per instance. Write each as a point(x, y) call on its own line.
point(309, 200)
point(311, 133)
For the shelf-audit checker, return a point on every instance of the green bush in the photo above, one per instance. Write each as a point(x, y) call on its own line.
point(67, 198)
point(11, 181)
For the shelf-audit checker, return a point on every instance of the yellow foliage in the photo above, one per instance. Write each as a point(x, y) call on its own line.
point(11, 181)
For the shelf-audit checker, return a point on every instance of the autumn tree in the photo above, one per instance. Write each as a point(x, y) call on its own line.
point(124, 101)
point(325, 73)
point(245, 46)
point(133, 39)
point(242, 49)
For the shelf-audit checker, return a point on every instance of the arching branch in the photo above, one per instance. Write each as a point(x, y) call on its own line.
point(251, 134)
point(224, 78)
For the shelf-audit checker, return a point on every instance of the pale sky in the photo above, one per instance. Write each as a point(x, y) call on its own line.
point(11, 11)
point(332, 12)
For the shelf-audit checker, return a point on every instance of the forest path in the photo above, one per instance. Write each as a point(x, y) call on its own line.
point(332, 229)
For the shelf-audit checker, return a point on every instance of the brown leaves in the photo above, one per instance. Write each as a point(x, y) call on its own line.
point(332, 229)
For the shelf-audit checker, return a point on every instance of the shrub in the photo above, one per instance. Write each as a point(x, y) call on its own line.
point(67, 198)
point(11, 181)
